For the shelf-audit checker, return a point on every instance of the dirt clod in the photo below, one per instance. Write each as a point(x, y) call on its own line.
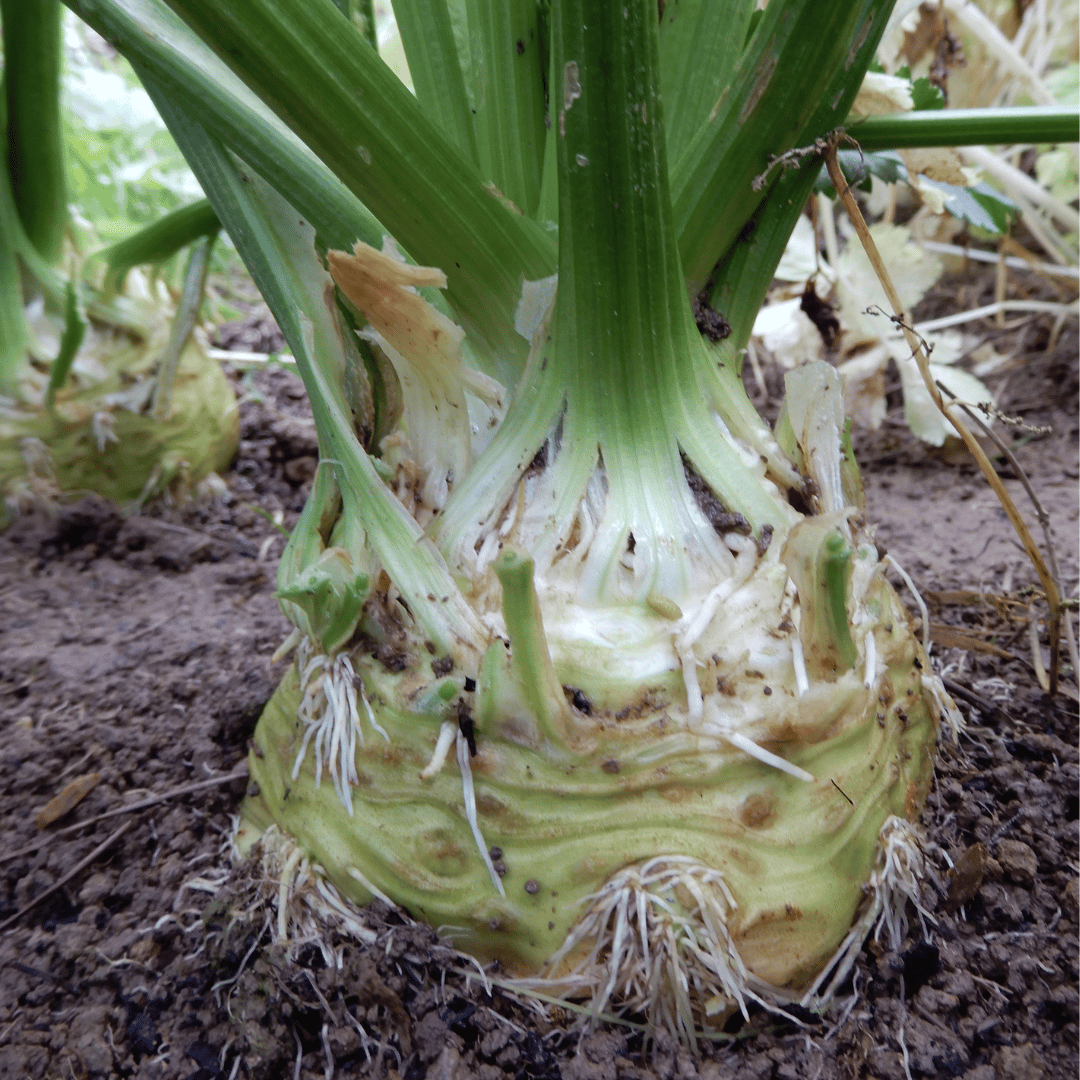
point(1018, 861)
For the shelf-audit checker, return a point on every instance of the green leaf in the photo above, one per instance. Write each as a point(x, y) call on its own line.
point(1000, 207)
point(980, 205)
point(857, 168)
point(925, 95)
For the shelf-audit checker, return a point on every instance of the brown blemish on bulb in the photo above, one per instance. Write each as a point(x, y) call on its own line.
point(756, 810)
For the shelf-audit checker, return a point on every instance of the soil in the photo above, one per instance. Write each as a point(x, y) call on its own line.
point(138, 649)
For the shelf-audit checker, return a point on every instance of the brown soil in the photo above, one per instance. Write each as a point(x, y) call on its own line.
point(138, 648)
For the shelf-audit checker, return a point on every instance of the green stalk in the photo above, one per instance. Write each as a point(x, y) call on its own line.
point(613, 200)
point(187, 313)
point(428, 38)
point(968, 127)
point(701, 41)
point(279, 254)
point(835, 573)
point(362, 13)
point(624, 357)
point(70, 342)
point(35, 157)
point(161, 239)
point(508, 77)
point(319, 75)
point(637, 370)
point(547, 210)
point(745, 270)
point(16, 248)
point(157, 43)
point(13, 338)
point(530, 660)
point(803, 60)
point(741, 279)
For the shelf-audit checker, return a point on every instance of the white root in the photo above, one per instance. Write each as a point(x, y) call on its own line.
point(798, 660)
point(748, 746)
point(306, 903)
point(870, 678)
point(657, 938)
point(330, 714)
point(953, 718)
point(690, 628)
point(918, 600)
point(895, 881)
point(287, 645)
point(373, 889)
point(447, 731)
point(469, 794)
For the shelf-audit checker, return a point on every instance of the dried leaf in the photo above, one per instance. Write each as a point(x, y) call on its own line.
point(786, 331)
point(799, 261)
point(864, 387)
point(913, 272)
point(966, 877)
point(954, 637)
point(938, 163)
point(67, 800)
point(922, 415)
point(881, 94)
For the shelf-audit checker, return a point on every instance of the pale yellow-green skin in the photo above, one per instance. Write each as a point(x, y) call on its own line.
point(795, 854)
point(198, 436)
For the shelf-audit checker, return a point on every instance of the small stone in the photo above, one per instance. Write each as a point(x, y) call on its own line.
point(1018, 861)
point(532, 886)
